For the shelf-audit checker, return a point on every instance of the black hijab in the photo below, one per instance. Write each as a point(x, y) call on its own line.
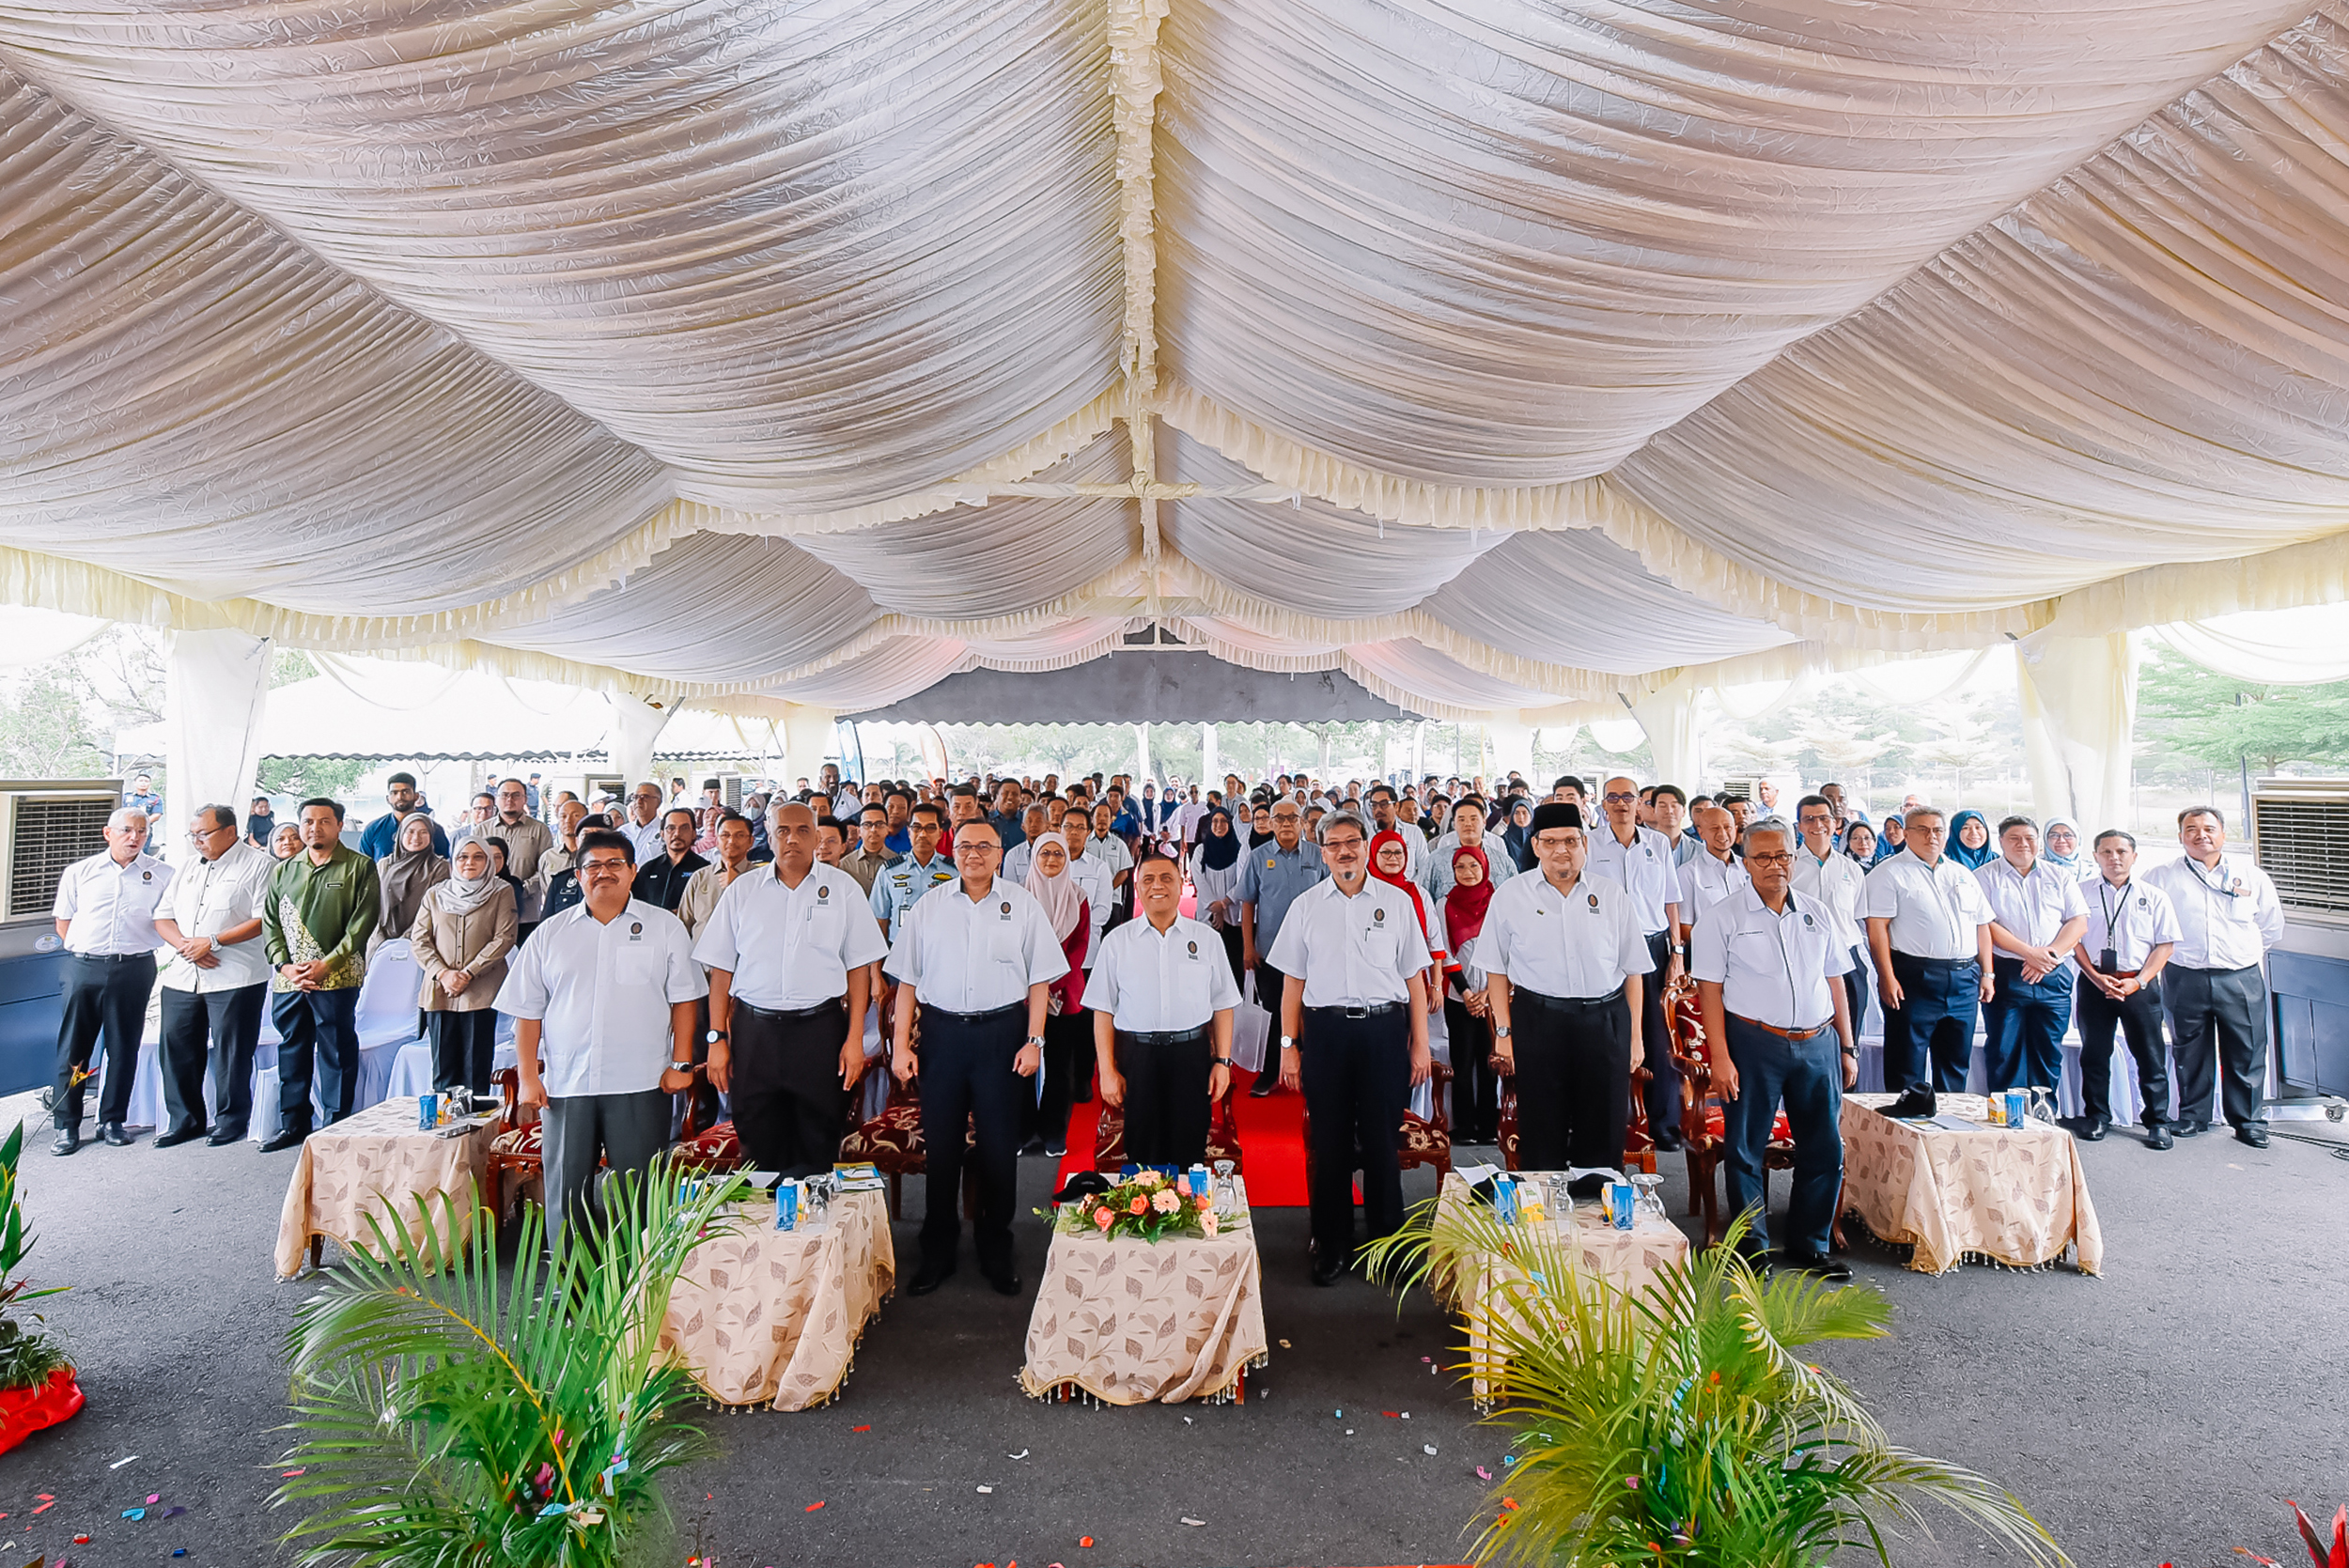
point(1219, 852)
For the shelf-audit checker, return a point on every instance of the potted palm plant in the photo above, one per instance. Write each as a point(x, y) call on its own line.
point(37, 1385)
point(444, 1417)
point(1681, 1425)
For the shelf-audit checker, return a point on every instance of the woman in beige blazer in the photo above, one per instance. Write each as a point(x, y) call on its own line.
point(461, 936)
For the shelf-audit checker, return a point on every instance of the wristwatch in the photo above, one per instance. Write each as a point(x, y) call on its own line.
point(1288, 1041)
point(1501, 1033)
point(1036, 1040)
point(713, 1036)
point(680, 1066)
point(1220, 1062)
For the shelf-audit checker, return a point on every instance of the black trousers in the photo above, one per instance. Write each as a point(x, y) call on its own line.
point(1929, 1040)
point(318, 1031)
point(1234, 948)
point(1574, 1079)
point(789, 1109)
point(967, 1076)
point(1475, 1088)
point(102, 995)
point(2140, 1019)
point(1855, 988)
point(221, 1027)
point(1068, 1059)
point(2218, 1028)
point(462, 1046)
point(1166, 1097)
point(1663, 1084)
point(1357, 1081)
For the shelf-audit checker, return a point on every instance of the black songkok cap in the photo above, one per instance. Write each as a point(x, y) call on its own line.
point(1555, 814)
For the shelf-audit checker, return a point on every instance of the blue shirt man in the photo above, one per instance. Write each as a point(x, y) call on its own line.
point(383, 834)
point(900, 886)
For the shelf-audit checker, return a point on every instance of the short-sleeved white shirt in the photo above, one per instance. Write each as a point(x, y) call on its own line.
point(208, 897)
point(1093, 877)
point(1155, 981)
point(1355, 952)
point(1773, 967)
point(2227, 918)
point(1579, 943)
point(1837, 882)
point(2032, 908)
point(788, 948)
point(1936, 910)
point(1643, 868)
point(601, 991)
point(1705, 881)
point(972, 956)
point(2132, 920)
point(1110, 849)
point(111, 906)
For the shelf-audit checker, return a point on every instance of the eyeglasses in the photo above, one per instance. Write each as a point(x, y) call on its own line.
point(1779, 859)
point(1619, 797)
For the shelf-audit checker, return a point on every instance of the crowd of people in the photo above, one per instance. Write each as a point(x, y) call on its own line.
point(669, 948)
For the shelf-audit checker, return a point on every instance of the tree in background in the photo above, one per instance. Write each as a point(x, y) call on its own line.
point(2193, 720)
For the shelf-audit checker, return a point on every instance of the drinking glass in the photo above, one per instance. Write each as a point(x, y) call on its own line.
point(1226, 1193)
point(1651, 1198)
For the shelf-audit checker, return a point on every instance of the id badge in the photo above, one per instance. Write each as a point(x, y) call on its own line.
point(2109, 960)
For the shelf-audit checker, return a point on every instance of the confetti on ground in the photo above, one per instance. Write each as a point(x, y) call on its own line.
point(987, 1491)
point(1285, 1344)
point(859, 1429)
point(811, 1507)
point(1427, 1449)
point(1189, 1520)
point(81, 1540)
point(124, 1460)
point(44, 1508)
point(1084, 1540)
point(1429, 1360)
point(181, 1552)
point(153, 1497)
point(172, 1512)
point(1186, 1420)
point(1482, 1474)
point(293, 1472)
point(1407, 1415)
point(1021, 1454)
point(135, 1513)
point(1349, 1432)
point(1509, 1503)
point(1390, 1415)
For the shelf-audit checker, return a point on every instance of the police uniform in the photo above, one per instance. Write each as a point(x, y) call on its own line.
point(1356, 957)
point(1774, 968)
point(2213, 991)
point(2125, 923)
point(109, 906)
point(1644, 869)
point(1935, 913)
point(2024, 1019)
point(969, 964)
point(221, 1005)
point(1566, 956)
point(901, 884)
point(1161, 991)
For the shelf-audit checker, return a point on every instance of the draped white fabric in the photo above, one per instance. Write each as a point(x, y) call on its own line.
point(1521, 359)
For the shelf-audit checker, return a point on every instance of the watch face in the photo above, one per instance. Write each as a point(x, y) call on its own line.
point(712, 1037)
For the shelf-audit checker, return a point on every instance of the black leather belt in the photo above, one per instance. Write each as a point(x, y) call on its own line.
point(1371, 1012)
point(1936, 963)
point(794, 1015)
point(111, 957)
point(1164, 1036)
point(1518, 994)
point(991, 1016)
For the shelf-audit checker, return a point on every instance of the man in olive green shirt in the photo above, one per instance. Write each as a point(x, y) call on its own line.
point(322, 907)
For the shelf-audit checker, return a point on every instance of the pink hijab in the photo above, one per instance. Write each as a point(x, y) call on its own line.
point(1064, 901)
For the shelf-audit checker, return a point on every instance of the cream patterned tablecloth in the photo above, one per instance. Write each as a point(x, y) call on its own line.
point(377, 1162)
point(2018, 1197)
point(1131, 1321)
point(762, 1317)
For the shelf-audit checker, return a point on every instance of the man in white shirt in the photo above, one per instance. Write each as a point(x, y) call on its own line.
point(1566, 968)
point(789, 949)
point(2038, 922)
point(1355, 961)
point(105, 911)
point(2228, 916)
point(2132, 931)
point(642, 826)
point(1093, 879)
point(217, 981)
point(1110, 850)
point(978, 958)
point(1827, 874)
point(1640, 860)
point(606, 993)
point(1161, 993)
point(1767, 961)
point(1929, 929)
point(1714, 872)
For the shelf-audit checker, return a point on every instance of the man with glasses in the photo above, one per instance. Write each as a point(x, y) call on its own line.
point(1929, 929)
point(902, 883)
point(1779, 1028)
point(1640, 862)
point(106, 913)
point(978, 959)
point(527, 841)
point(1271, 877)
point(1824, 872)
point(1353, 1036)
point(2132, 931)
point(2039, 920)
point(608, 995)
point(216, 982)
point(2228, 916)
point(642, 826)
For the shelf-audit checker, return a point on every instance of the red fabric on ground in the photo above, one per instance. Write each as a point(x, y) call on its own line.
point(1271, 1135)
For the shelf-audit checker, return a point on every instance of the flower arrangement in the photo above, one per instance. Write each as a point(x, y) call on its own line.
point(1148, 1205)
point(37, 1385)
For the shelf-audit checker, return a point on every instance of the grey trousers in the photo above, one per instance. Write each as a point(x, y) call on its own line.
point(580, 1130)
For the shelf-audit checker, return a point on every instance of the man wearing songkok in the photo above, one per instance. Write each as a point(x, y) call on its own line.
point(105, 911)
point(788, 949)
point(1567, 971)
point(1929, 930)
point(1161, 993)
point(1354, 998)
point(2132, 933)
point(1640, 860)
point(322, 906)
point(606, 994)
point(2038, 920)
point(978, 958)
point(216, 982)
point(1768, 963)
point(2228, 916)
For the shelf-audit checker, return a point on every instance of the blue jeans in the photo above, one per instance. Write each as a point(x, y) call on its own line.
point(1929, 1040)
point(1808, 1076)
point(2026, 1024)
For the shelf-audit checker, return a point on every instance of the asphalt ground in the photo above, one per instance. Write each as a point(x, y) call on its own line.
point(2158, 1414)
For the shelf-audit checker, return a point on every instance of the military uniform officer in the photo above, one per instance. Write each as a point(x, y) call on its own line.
point(1162, 993)
point(978, 959)
point(898, 886)
point(1769, 963)
point(2132, 931)
point(788, 949)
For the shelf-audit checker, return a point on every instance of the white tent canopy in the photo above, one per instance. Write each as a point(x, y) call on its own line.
point(1508, 357)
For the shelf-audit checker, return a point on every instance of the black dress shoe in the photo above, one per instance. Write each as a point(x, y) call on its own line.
point(1669, 1143)
point(1916, 1103)
point(2088, 1129)
point(2157, 1136)
point(185, 1135)
point(1835, 1272)
point(224, 1136)
point(1033, 1146)
point(1327, 1273)
point(288, 1138)
point(1263, 1087)
point(930, 1277)
point(68, 1141)
point(112, 1132)
point(1003, 1282)
point(2189, 1129)
point(2251, 1133)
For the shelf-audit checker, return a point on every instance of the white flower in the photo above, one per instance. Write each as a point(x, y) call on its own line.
point(1166, 1202)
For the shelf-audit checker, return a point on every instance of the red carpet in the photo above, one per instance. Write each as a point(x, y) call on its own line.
point(1272, 1140)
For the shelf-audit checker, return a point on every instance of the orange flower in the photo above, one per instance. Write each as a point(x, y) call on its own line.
point(1102, 1218)
point(1140, 1205)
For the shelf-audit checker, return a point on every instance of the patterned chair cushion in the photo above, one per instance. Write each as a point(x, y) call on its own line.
point(1781, 1136)
point(1422, 1142)
point(892, 1141)
point(718, 1149)
point(1109, 1139)
point(520, 1142)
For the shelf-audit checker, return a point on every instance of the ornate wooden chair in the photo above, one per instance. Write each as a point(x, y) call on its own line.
point(1704, 1128)
point(1639, 1143)
point(516, 1154)
point(1422, 1141)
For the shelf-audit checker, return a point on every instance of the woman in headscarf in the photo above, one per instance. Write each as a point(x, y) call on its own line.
point(1467, 1018)
point(2061, 845)
point(1891, 840)
point(1215, 877)
point(1859, 841)
point(1518, 832)
point(1068, 1053)
point(1970, 840)
point(460, 937)
point(404, 877)
point(1391, 861)
point(1260, 825)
